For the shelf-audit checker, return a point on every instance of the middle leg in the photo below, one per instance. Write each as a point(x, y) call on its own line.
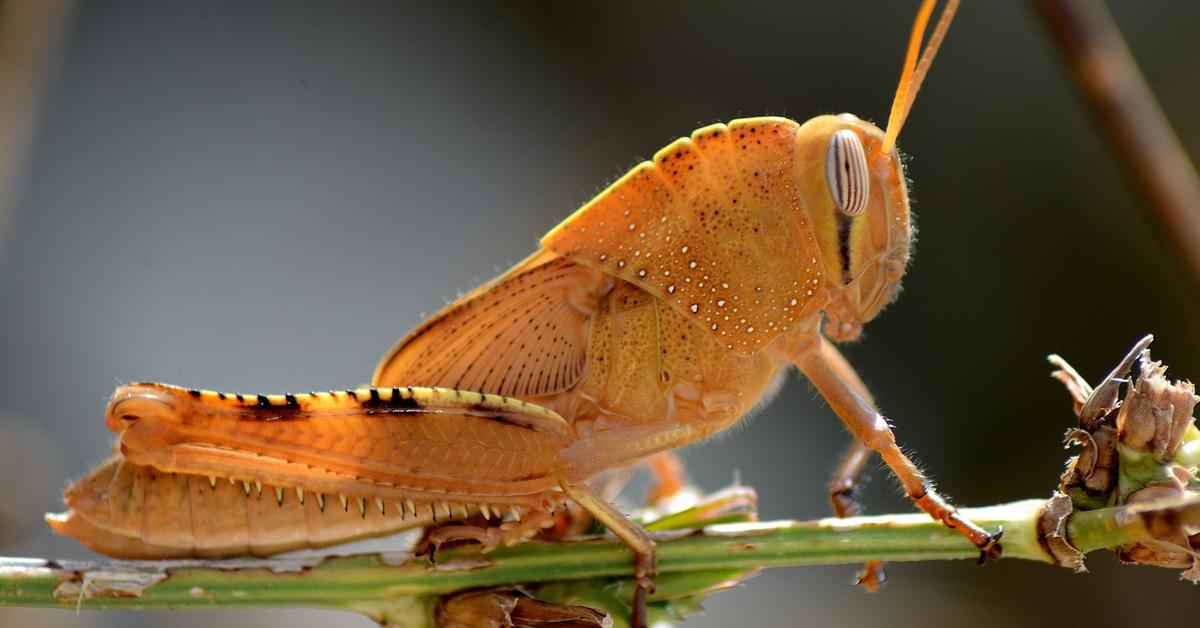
point(668, 476)
point(846, 480)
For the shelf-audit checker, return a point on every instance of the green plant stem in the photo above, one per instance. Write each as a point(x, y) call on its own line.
point(1098, 529)
point(367, 581)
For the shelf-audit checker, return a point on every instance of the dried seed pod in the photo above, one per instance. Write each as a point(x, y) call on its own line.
point(1156, 412)
point(511, 608)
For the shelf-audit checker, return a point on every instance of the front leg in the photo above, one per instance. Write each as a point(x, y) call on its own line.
point(823, 365)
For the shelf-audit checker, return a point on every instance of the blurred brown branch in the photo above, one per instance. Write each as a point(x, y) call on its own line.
point(1131, 119)
point(29, 41)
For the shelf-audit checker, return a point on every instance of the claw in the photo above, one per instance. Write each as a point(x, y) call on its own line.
point(991, 550)
point(428, 549)
point(843, 503)
point(872, 577)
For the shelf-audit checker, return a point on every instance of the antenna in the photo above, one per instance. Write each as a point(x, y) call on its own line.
point(914, 71)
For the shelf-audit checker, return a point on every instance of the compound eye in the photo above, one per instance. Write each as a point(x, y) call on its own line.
point(846, 172)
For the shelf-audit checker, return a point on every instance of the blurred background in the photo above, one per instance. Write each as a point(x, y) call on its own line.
point(264, 196)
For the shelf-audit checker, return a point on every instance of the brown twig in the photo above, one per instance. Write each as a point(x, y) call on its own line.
point(1139, 133)
point(29, 40)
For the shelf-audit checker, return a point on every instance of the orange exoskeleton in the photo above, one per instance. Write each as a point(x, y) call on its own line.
point(655, 316)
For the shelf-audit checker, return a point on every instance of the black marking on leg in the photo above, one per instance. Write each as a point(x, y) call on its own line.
point(193, 392)
point(395, 401)
point(263, 401)
point(291, 402)
point(485, 411)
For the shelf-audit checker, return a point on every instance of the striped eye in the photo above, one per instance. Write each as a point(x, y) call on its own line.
point(846, 172)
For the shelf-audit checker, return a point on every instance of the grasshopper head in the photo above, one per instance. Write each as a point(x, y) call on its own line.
point(857, 200)
point(856, 194)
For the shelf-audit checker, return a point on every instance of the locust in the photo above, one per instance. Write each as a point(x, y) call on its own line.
point(655, 316)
